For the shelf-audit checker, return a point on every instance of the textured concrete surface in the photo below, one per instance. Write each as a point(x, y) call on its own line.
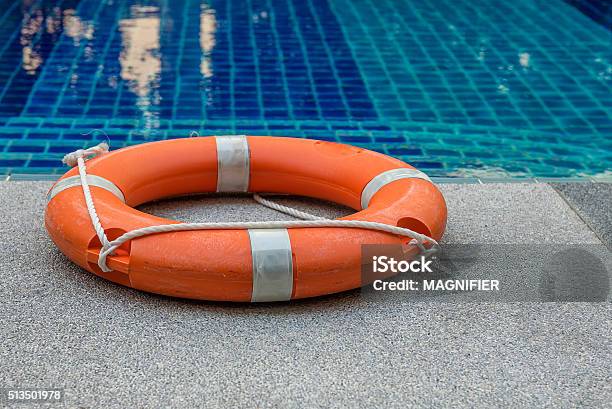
point(593, 202)
point(111, 346)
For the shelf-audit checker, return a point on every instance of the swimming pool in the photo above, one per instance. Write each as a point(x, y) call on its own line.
point(455, 87)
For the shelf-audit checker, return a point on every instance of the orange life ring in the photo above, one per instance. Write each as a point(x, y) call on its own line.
point(220, 264)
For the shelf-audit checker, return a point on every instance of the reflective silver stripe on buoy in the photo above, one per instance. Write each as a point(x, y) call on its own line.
point(385, 178)
point(233, 163)
point(93, 180)
point(272, 265)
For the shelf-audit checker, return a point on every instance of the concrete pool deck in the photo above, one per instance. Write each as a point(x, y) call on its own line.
point(110, 346)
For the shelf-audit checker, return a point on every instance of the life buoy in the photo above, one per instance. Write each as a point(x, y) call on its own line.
point(240, 265)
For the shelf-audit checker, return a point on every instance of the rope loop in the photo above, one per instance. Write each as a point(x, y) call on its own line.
point(307, 220)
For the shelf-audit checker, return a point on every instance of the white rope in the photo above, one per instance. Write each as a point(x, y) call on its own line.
point(286, 209)
point(78, 158)
point(309, 220)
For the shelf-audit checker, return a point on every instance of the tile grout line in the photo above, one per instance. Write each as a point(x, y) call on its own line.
point(583, 219)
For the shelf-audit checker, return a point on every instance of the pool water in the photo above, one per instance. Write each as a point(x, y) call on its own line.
point(455, 87)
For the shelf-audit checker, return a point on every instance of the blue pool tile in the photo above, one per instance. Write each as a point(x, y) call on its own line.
point(63, 149)
point(12, 163)
point(427, 165)
point(44, 163)
point(405, 151)
point(43, 135)
point(26, 148)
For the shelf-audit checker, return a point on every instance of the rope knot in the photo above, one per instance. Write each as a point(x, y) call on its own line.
point(433, 248)
point(71, 159)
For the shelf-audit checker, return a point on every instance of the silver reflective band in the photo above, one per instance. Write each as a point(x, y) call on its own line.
point(385, 178)
point(233, 163)
point(272, 265)
point(93, 180)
